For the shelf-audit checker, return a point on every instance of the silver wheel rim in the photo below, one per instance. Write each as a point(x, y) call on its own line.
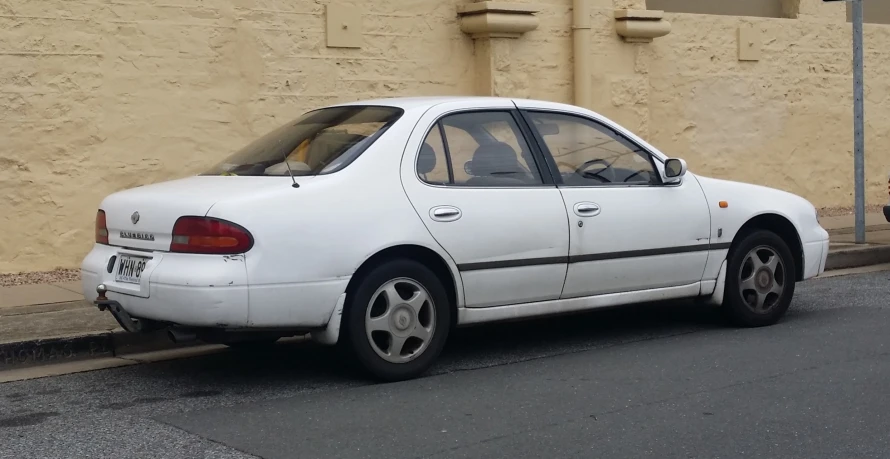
point(400, 320)
point(762, 279)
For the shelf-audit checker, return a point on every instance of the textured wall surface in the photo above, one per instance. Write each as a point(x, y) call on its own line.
point(98, 96)
point(102, 95)
point(785, 121)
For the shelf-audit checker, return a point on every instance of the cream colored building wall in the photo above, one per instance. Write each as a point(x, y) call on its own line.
point(784, 121)
point(97, 97)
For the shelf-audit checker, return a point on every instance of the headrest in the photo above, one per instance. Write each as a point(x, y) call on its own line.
point(426, 159)
point(495, 159)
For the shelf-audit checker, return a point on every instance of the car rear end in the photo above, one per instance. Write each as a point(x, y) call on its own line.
point(158, 256)
point(175, 252)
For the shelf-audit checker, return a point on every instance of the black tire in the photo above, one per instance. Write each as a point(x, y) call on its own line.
point(738, 300)
point(354, 339)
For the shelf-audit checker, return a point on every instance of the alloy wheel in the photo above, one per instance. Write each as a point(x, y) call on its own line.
point(400, 320)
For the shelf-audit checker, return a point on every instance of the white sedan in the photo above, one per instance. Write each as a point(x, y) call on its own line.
point(380, 225)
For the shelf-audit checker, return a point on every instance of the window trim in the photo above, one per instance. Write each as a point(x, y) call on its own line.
point(547, 179)
point(448, 162)
point(551, 161)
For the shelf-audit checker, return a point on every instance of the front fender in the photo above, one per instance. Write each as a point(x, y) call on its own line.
point(745, 202)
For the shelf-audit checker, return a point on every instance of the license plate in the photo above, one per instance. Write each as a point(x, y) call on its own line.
point(129, 269)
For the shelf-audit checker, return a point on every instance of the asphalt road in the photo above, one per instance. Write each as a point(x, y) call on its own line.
point(660, 381)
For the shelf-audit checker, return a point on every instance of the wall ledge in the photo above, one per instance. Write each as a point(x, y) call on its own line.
point(641, 26)
point(497, 19)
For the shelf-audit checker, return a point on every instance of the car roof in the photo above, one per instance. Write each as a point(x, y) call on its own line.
point(407, 103)
point(423, 103)
point(418, 102)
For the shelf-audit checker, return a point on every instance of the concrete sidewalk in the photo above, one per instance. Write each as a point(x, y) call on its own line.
point(44, 323)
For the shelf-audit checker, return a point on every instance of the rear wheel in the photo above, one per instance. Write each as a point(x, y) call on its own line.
point(396, 320)
point(760, 280)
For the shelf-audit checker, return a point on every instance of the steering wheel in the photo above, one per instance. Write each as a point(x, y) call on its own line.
point(582, 170)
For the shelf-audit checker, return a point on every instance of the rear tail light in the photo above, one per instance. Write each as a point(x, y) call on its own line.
point(209, 235)
point(101, 228)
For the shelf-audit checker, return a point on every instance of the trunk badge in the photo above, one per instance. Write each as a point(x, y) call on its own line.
point(134, 218)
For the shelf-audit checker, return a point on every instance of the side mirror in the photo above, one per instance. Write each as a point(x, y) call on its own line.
point(674, 169)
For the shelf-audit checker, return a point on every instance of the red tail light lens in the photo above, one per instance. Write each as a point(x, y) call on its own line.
point(209, 235)
point(101, 228)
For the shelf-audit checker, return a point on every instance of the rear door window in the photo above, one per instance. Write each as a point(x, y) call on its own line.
point(478, 149)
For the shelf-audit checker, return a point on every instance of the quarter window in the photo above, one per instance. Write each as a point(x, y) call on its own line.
point(587, 153)
point(432, 164)
point(477, 149)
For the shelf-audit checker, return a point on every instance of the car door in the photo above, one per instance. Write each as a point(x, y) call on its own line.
point(478, 186)
point(629, 231)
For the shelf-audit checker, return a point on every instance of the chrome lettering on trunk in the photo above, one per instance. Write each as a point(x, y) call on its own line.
point(137, 236)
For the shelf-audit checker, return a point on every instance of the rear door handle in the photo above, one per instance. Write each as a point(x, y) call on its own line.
point(587, 209)
point(445, 213)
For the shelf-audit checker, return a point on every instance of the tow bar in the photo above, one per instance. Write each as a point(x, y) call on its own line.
point(120, 315)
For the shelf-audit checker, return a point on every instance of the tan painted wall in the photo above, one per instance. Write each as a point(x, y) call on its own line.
point(785, 121)
point(97, 97)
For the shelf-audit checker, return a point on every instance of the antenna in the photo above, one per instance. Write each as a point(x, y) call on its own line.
point(287, 164)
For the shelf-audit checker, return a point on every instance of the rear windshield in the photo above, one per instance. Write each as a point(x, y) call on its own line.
point(319, 142)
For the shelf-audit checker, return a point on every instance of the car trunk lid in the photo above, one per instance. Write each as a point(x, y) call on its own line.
point(142, 218)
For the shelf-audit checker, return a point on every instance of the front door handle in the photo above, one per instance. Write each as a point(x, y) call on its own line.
point(587, 209)
point(445, 213)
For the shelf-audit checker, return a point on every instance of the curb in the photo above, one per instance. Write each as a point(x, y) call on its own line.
point(857, 257)
point(49, 351)
point(868, 229)
point(39, 352)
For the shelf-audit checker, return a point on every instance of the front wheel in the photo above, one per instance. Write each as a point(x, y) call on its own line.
point(760, 280)
point(397, 320)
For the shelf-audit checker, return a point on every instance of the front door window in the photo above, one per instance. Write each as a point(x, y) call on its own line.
point(590, 154)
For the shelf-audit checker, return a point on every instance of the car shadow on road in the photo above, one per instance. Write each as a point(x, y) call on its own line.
point(468, 348)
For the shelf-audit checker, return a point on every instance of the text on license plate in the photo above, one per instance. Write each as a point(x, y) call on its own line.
point(129, 269)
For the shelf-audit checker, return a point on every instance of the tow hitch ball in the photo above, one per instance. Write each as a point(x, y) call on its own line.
point(101, 290)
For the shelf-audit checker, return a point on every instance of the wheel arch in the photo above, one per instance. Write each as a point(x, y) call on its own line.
point(423, 255)
point(782, 227)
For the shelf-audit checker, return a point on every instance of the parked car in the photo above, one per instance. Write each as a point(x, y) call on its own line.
point(379, 226)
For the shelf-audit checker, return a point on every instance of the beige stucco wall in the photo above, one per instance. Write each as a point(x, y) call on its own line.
point(97, 97)
point(785, 121)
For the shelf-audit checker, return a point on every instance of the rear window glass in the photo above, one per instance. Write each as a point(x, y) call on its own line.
point(319, 142)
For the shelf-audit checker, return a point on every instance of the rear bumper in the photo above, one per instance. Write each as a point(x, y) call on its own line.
point(192, 290)
point(208, 291)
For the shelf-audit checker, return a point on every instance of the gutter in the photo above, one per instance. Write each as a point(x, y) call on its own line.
point(581, 26)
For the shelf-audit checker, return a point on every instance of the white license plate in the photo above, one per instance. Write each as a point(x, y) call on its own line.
point(129, 268)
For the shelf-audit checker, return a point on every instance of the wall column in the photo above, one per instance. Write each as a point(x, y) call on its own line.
point(493, 26)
